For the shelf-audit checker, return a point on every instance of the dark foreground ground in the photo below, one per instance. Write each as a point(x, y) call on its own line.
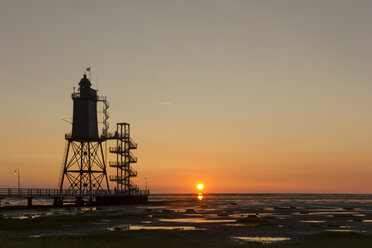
point(156, 238)
point(185, 222)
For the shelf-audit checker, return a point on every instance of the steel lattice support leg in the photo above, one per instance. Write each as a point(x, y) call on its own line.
point(85, 167)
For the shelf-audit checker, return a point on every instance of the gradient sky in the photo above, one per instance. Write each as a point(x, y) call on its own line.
point(245, 96)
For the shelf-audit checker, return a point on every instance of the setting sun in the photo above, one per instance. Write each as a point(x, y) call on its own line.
point(200, 186)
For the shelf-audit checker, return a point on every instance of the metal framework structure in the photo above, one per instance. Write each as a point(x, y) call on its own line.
point(124, 160)
point(84, 161)
point(84, 167)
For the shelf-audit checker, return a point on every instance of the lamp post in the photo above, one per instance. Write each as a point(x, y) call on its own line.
point(146, 182)
point(16, 171)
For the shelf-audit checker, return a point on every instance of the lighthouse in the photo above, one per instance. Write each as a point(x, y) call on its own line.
point(84, 167)
point(84, 164)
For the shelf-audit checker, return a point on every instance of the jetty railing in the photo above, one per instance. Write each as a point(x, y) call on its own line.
point(36, 192)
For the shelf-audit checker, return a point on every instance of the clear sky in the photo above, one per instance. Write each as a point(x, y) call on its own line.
point(245, 96)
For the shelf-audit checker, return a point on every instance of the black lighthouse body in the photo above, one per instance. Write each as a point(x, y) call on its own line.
point(85, 125)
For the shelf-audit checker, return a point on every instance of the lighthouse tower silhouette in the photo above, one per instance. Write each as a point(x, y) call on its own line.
point(84, 162)
point(84, 165)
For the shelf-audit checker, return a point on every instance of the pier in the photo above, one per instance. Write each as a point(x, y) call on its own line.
point(95, 197)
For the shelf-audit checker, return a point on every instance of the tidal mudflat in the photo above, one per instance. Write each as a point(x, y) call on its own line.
point(278, 220)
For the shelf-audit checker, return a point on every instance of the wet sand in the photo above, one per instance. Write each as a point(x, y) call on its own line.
point(214, 221)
